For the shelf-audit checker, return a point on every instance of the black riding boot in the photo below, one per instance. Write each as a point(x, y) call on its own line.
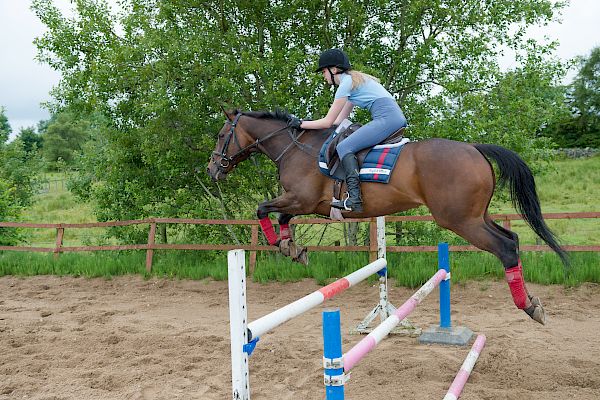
point(354, 200)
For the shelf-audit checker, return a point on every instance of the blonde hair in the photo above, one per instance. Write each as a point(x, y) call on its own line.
point(359, 78)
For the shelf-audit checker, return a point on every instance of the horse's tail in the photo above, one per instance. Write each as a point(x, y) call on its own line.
point(514, 171)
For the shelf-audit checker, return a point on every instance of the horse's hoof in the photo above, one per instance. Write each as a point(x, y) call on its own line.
point(535, 301)
point(537, 312)
point(287, 247)
point(302, 257)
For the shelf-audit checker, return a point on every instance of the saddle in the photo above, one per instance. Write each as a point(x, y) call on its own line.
point(332, 155)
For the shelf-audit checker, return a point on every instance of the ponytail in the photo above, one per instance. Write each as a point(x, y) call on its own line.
point(359, 78)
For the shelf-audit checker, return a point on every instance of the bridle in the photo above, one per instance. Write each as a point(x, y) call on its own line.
point(226, 160)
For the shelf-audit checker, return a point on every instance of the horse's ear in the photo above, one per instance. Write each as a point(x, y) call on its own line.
point(225, 112)
point(230, 115)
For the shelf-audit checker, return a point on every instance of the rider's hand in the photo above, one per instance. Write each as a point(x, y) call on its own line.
point(294, 122)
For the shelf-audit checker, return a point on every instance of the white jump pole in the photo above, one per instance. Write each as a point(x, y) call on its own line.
point(298, 307)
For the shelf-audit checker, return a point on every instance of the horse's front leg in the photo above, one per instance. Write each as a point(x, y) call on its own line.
point(284, 226)
point(283, 204)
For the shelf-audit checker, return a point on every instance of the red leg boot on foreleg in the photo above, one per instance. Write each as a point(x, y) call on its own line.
point(267, 227)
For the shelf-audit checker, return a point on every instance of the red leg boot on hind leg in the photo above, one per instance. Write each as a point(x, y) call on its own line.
point(523, 300)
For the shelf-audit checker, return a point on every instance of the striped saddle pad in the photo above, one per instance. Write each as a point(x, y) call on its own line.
point(376, 164)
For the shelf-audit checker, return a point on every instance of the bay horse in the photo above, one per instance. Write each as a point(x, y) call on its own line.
point(454, 180)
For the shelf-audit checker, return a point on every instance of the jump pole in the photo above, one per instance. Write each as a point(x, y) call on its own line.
point(384, 308)
point(445, 333)
point(298, 307)
point(244, 335)
point(366, 345)
point(465, 370)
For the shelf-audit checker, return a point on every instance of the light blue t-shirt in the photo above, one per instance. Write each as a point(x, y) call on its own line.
point(364, 95)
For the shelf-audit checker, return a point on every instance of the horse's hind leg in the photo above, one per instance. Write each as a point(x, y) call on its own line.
point(500, 242)
point(512, 235)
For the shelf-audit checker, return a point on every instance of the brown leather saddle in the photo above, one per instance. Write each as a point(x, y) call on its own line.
point(332, 155)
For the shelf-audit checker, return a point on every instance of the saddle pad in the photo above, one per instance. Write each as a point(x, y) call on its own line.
point(376, 166)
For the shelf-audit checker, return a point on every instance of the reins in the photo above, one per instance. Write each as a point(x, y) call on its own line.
point(226, 160)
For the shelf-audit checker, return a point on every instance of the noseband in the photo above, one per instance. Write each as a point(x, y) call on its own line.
point(226, 160)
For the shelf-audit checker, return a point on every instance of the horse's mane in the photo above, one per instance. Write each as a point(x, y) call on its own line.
point(278, 114)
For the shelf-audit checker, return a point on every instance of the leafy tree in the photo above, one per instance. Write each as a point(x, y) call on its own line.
point(5, 129)
point(63, 139)
point(159, 71)
point(18, 183)
point(32, 141)
point(586, 92)
point(582, 127)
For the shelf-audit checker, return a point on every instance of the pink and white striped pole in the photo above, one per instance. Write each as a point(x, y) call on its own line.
point(465, 370)
point(362, 348)
point(270, 321)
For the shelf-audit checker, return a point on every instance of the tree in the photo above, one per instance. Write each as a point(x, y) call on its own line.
point(18, 183)
point(5, 129)
point(586, 90)
point(64, 138)
point(582, 127)
point(160, 70)
point(32, 141)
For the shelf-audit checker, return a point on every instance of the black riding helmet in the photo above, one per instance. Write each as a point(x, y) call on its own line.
point(334, 58)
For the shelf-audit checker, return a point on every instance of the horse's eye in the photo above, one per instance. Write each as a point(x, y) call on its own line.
point(221, 135)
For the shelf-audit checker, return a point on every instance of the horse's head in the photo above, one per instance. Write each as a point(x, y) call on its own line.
point(234, 145)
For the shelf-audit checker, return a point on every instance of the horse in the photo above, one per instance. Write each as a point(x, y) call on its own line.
point(454, 180)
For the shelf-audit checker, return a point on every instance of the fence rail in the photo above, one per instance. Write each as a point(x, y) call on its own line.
point(253, 247)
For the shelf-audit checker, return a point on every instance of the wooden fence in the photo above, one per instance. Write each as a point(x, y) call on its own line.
point(253, 247)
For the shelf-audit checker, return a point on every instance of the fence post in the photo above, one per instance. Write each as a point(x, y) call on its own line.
point(60, 232)
point(373, 248)
point(150, 250)
point(253, 242)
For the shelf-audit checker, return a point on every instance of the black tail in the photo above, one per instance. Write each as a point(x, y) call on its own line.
point(517, 174)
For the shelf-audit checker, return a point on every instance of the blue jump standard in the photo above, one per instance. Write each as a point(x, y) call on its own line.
point(332, 355)
point(445, 333)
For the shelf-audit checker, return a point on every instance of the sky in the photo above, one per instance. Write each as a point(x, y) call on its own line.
point(25, 83)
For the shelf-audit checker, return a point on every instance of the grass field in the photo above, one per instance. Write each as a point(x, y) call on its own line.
point(406, 269)
point(572, 185)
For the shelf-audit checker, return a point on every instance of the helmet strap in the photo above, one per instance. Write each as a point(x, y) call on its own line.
point(332, 75)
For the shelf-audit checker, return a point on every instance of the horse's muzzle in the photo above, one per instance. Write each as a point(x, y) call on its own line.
point(215, 172)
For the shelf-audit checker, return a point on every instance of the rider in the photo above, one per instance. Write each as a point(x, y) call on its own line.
point(354, 88)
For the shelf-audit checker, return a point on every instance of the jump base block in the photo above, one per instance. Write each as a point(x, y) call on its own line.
point(455, 336)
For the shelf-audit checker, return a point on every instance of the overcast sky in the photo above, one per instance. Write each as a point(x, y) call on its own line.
point(24, 83)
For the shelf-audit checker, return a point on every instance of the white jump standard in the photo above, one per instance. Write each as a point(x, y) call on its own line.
point(244, 335)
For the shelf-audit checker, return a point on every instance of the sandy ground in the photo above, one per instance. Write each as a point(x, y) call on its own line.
point(126, 338)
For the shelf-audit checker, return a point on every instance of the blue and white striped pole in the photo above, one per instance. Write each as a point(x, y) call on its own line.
point(332, 355)
point(444, 263)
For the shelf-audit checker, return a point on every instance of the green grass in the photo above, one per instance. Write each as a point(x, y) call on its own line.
point(570, 186)
point(573, 185)
point(55, 204)
point(406, 269)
